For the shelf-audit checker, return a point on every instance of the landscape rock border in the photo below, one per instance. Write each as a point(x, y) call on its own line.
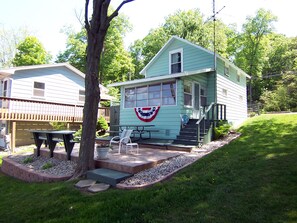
point(21, 172)
point(196, 153)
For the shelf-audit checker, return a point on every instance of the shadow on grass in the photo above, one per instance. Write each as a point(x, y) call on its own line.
point(253, 179)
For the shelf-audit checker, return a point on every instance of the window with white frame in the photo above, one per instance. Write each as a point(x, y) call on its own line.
point(175, 62)
point(203, 96)
point(38, 89)
point(188, 93)
point(151, 95)
point(169, 93)
point(226, 70)
point(154, 94)
point(81, 95)
point(5, 87)
point(225, 93)
point(238, 77)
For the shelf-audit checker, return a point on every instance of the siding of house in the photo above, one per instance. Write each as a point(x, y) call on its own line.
point(167, 120)
point(61, 84)
point(202, 80)
point(232, 93)
point(194, 58)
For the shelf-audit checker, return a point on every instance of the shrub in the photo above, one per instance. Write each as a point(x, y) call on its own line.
point(77, 134)
point(222, 129)
point(47, 166)
point(59, 125)
point(28, 160)
point(102, 126)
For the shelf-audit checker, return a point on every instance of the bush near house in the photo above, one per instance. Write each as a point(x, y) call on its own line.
point(222, 129)
point(252, 179)
point(101, 128)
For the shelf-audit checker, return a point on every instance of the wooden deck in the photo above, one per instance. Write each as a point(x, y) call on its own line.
point(15, 109)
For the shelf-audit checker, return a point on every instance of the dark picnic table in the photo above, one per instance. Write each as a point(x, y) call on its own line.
point(52, 137)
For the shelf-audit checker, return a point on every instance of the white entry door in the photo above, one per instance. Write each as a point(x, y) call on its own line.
point(196, 101)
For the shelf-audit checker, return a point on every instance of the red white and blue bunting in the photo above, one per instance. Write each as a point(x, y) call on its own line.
point(147, 114)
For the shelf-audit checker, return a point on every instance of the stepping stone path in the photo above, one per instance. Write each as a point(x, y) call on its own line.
point(98, 187)
point(92, 185)
point(85, 183)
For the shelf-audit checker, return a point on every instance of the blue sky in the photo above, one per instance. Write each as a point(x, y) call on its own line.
point(45, 19)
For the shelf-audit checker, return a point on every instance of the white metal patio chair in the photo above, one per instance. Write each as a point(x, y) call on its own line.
point(122, 139)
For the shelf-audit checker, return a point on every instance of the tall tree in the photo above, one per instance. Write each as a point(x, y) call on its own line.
point(96, 31)
point(31, 52)
point(116, 62)
point(9, 40)
point(75, 52)
point(253, 49)
point(189, 25)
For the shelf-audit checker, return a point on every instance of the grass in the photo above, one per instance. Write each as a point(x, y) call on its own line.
point(253, 179)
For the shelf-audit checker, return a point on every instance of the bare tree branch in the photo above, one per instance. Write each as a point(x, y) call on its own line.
point(79, 16)
point(116, 12)
point(87, 24)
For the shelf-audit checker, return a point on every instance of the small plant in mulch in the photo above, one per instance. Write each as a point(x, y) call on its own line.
point(47, 166)
point(28, 160)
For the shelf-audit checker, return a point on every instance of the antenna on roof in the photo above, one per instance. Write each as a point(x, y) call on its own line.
point(214, 28)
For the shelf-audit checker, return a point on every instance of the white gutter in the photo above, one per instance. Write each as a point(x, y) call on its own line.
point(163, 77)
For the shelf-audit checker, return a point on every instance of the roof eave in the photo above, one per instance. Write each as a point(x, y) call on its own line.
point(163, 77)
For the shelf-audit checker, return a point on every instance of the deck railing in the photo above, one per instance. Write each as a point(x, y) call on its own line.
point(33, 110)
point(210, 116)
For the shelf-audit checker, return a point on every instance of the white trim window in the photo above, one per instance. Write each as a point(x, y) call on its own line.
point(5, 88)
point(38, 89)
point(188, 94)
point(81, 95)
point(176, 61)
point(203, 96)
point(238, 77)
point(151, 95)
point(225, 92)
point(226, 70)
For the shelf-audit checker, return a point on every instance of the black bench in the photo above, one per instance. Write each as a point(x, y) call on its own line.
point(52, 138)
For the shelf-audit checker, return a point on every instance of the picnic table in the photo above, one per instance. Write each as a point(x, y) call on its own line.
point(51, 138)
point(138, 130)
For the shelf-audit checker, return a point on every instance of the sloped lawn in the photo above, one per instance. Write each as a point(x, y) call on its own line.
point(253, 179)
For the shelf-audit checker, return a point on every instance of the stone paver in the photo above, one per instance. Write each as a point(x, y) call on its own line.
point(98, 187)
point(85, 183)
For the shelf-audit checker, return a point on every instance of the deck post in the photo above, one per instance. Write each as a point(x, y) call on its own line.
point(13, 136)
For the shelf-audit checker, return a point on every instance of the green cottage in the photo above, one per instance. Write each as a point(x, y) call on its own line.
point(182, 81)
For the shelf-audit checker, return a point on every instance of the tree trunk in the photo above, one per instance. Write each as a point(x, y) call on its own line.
point(96, 32)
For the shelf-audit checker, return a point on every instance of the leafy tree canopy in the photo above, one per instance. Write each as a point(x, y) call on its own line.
point(9, 39)
point(31, 52)
point(189, 25)
point(116, 62)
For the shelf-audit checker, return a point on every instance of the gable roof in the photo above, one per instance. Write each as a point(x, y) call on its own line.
point(11, 71)
point(143, 71)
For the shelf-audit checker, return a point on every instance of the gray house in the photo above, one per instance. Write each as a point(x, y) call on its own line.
point(33, 96)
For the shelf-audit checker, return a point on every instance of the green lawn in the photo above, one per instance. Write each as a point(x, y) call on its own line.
point(253, 179)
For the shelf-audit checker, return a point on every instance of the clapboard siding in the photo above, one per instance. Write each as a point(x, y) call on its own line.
point(235, 100)
point(233, 72)
point(202, 80)
point(166, 121)
point(61, 84)
point(194, 58)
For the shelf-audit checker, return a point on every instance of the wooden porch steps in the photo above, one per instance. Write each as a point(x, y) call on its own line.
point(107, 176)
